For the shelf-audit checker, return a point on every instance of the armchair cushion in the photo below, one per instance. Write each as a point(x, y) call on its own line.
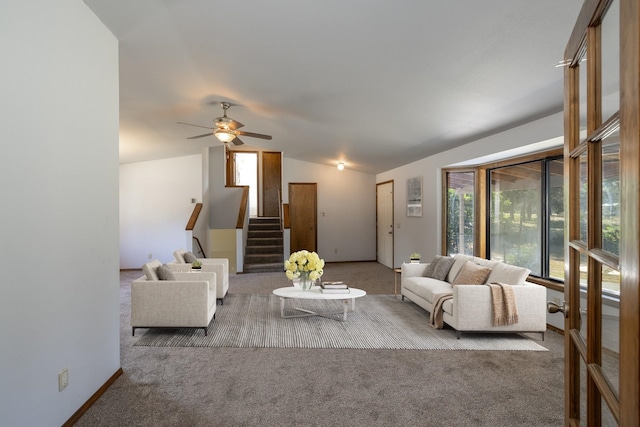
point(179, 255)
point(150, 269)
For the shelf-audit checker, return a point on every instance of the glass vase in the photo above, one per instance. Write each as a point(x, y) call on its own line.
point(305, 282)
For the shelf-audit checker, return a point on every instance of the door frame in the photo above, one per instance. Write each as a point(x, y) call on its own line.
point(293, 214)
point(393, 234)
point(586, 38)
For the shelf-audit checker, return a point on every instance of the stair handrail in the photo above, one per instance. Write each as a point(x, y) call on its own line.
point(199, 247)
point(243, 206)
point(194, 217)
point(280, 216)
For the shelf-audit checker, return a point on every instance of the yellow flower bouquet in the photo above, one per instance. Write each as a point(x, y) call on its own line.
point(305, 266)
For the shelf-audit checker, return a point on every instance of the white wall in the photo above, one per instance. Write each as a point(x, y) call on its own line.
point(422, 234)
point(224, 202)
point(346, 209)
point(155, 205)
point(59, 190)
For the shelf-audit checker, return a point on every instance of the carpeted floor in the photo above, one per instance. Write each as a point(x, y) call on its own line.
point(205, 386)
point(378, 322)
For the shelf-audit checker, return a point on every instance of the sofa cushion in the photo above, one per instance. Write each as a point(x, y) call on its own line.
point(410, 284)
point(189, 257)
point(509, 274)
point(439, 267)
point(472, 274)
point(150, 269)
point(164, 273)
point(427, 287)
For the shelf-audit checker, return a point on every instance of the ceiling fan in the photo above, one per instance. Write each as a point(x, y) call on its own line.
point(226, 129)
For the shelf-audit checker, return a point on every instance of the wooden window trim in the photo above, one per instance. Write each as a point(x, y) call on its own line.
point(480, 227)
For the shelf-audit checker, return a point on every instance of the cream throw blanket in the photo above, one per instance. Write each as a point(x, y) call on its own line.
point(435, 317)
point(505, 311)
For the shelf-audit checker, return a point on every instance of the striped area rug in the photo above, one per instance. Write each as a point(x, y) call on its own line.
point(378, 322)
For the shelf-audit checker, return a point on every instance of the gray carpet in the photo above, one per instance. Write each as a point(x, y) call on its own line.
point(378, 322)
point(224, 386)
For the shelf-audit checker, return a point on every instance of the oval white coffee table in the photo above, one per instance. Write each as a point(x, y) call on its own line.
point(349, 300)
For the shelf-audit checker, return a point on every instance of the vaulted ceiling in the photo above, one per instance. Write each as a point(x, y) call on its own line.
point(373, 83)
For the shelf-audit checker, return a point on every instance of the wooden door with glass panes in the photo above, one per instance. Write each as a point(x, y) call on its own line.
point(602, 158)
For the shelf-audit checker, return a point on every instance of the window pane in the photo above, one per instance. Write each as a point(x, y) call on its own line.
point(584, 187)
point(610, 334)
point(611, 61)
point(610, 280)
point(515, 223)
point(460, 212)
point(583, 96)
point(611, 194)
point(584, 275)
point(556, 219)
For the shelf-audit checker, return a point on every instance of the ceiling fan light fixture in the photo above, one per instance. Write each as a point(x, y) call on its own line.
point(224, 135)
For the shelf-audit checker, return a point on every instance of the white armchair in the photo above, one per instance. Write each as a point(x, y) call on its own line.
point(189, 301)
point(220, 266)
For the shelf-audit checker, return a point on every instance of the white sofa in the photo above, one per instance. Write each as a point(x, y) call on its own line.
point(220, 266)
point(189, 301)
point(470, 309)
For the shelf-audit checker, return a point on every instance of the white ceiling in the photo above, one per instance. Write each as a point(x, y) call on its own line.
point(374, 83)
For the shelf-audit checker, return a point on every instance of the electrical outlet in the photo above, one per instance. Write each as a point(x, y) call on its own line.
point(335, 251)
point(150, 256)
point(63, 379)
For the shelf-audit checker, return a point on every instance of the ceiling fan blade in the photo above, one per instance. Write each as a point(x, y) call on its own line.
point(227, 123)
point(200, 136)
point(189, 124)
point(234, 124)
point(254, 135)
point(236, 141)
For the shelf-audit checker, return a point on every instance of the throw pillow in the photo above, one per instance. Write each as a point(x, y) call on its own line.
point(472, 274)
point(509, 274)
point(443, 267)
point(439, 267)
point(428, 272)
point(164, 273)
point(189, 257)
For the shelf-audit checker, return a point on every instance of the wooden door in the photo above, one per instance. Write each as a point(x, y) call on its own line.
point(303, 216)
point(271, 183)
point(384, 223)
point(602, 158)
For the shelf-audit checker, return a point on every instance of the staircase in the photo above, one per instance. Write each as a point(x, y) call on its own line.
point(264, 251)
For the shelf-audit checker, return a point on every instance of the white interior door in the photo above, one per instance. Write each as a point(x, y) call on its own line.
point(384, 217)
